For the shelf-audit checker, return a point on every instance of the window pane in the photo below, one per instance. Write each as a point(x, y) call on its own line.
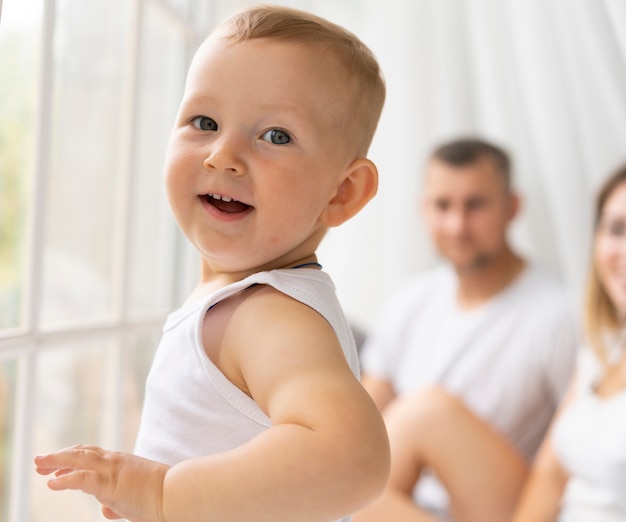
point(19, 63)
point(82, 208)
point(8, 371)
point(88, 392)
point(179, 6)
point(163, 60)
point(75, 396)
point(136, 360)
point(205, 15)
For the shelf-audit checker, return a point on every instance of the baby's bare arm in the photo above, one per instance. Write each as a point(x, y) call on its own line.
point(327, 453)
point(325, 456)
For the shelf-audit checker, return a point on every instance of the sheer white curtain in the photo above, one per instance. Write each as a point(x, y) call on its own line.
point(544, 78)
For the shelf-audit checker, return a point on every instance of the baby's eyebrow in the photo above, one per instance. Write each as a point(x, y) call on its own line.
point(197, 98)
point(286, 106)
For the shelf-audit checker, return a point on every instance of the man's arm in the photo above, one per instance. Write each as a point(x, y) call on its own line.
point(541, 496)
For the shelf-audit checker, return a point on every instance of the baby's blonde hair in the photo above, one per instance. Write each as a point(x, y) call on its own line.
point(367, 94)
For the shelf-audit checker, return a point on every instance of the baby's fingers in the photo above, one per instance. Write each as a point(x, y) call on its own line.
point(83, 480)
point(75, 457)
point(74, 468)
point(45, 471)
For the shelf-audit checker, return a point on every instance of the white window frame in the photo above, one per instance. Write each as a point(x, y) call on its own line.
point(26, 342)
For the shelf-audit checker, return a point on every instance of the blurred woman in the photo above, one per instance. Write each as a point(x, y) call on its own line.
point(580, 471)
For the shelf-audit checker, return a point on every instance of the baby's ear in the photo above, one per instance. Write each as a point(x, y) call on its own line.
point(358, 185)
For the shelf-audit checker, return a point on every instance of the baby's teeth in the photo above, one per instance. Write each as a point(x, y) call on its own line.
point(223, 198)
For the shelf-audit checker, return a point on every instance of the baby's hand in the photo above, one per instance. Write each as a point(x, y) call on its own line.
point(127, 486)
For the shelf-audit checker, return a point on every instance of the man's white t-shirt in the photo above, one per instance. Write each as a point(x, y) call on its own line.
point(509, 360)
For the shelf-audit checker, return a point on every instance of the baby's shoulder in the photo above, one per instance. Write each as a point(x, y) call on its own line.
point(262, 308)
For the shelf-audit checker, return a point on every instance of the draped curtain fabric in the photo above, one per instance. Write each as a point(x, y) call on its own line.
point(544, 78)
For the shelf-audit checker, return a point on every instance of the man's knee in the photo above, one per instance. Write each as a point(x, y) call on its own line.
point(424, 408)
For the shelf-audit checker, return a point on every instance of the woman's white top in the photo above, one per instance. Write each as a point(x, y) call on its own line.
point(590, 442)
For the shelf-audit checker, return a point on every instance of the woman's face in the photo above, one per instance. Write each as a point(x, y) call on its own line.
point(610, 247)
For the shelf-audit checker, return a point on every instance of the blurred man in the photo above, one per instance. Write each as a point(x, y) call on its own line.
point(488, 326)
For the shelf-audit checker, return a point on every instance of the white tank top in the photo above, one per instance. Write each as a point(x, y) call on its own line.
point(191, 409)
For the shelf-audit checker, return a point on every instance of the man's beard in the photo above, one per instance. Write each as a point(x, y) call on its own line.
point(477, 263)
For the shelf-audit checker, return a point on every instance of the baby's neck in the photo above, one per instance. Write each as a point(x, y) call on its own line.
point(211, 279)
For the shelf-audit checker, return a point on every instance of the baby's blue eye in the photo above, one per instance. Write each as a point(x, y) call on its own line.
point(276, 136)
point(204, 123)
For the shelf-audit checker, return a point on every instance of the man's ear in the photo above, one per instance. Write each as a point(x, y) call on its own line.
point(358, 185)
point(515, 205)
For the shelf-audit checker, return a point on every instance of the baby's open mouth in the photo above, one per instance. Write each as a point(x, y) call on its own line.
point(225, 203)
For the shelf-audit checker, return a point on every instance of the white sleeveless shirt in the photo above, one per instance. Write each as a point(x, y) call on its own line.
point(590, 441)
point(191, 409)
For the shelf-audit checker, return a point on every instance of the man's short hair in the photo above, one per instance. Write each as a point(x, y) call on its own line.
point(469, 151)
